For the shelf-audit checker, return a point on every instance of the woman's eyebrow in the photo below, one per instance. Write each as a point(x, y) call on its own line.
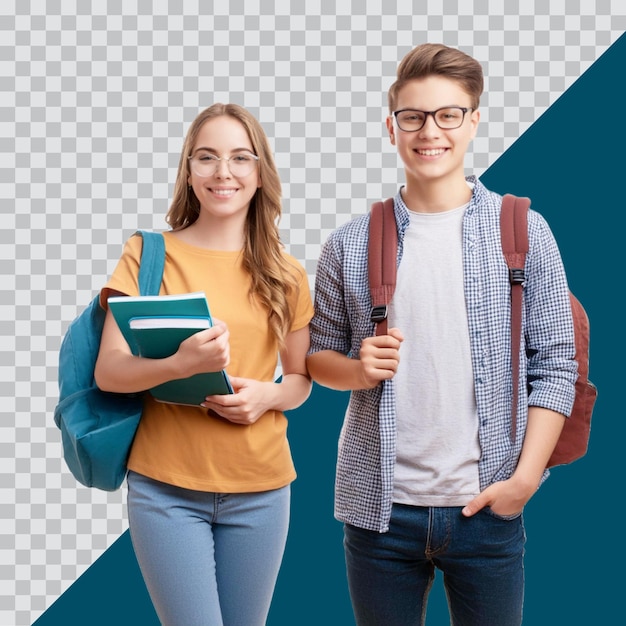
point(214, 151)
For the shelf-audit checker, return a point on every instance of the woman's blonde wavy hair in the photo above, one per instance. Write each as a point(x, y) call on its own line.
point(273, 278)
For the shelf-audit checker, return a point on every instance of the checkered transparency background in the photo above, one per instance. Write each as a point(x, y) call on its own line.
point(96, 99)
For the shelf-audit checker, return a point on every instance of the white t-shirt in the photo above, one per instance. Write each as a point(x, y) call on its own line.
point(437, 422)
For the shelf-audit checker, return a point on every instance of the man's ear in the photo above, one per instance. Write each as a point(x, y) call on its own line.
point(475, 118)
point(391, 130)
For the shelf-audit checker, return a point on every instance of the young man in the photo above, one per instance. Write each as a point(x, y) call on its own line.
point(428, 474)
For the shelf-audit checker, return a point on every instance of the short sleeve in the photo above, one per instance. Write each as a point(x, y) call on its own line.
point(125, 277)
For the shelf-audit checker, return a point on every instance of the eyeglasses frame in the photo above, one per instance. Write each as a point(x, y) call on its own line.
point(433, 114)
point(226, 159)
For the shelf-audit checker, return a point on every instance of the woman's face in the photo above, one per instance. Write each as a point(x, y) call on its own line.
point(224, 172)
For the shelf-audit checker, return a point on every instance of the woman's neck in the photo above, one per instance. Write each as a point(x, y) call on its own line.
point(214, 234)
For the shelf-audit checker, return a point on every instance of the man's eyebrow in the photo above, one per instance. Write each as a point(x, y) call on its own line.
point(445, 106)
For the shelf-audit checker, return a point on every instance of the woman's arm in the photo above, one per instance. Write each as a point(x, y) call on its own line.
point(295, 385)
point(118, 370)
point(253, 398)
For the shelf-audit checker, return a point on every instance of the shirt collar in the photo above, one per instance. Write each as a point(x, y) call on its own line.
point(402, 211)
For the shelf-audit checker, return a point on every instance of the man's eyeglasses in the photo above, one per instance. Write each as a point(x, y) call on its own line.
point(205, 164)
point(447, 118)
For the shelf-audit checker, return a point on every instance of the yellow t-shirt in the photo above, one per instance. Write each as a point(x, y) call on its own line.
point(183, 445)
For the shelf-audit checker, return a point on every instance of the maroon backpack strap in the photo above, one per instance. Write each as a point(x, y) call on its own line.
point(514, 236)
point(382, 255)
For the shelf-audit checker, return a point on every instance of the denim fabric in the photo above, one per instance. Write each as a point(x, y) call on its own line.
point(481, 557)
point(208, 559)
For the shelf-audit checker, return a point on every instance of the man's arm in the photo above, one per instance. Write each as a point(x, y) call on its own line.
point(508, 497)
point(378, 360)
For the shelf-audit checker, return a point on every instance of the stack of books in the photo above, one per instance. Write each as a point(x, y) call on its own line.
point(155, 326)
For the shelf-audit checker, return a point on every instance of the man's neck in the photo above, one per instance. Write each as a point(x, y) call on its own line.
point(436, 196)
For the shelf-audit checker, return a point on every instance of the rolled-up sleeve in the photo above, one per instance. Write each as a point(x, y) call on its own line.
point(549, 331)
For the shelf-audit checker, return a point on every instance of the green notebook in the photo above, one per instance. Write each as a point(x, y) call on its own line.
point(154, 327)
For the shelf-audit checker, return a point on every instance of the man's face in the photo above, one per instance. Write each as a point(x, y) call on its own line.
point(433, 153)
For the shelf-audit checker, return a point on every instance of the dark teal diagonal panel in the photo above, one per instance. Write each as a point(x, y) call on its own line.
point(110, 592)
point(571, 163)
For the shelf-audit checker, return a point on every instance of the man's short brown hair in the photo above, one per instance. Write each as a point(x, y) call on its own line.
point(436, 59)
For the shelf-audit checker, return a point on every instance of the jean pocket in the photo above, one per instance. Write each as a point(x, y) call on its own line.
point(505, 518)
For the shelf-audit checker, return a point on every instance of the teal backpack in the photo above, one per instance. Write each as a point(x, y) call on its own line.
point(97, 427)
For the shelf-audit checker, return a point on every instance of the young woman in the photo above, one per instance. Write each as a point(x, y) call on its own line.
point(209, 486)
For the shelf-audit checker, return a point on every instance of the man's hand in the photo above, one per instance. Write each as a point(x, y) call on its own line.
point(505, 498)
point(379, 357)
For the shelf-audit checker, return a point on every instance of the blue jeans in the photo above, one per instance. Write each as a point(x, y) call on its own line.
point(481, 557)
point(208, 559)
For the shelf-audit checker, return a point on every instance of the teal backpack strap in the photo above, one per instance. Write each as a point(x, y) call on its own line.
point(152, 262)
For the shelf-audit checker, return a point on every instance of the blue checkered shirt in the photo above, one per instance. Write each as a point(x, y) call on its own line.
point(366, 456)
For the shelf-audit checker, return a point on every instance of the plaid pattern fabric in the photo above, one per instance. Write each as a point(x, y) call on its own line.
point(365, 467)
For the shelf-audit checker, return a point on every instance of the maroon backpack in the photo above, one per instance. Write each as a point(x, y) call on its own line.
point(382, 254)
